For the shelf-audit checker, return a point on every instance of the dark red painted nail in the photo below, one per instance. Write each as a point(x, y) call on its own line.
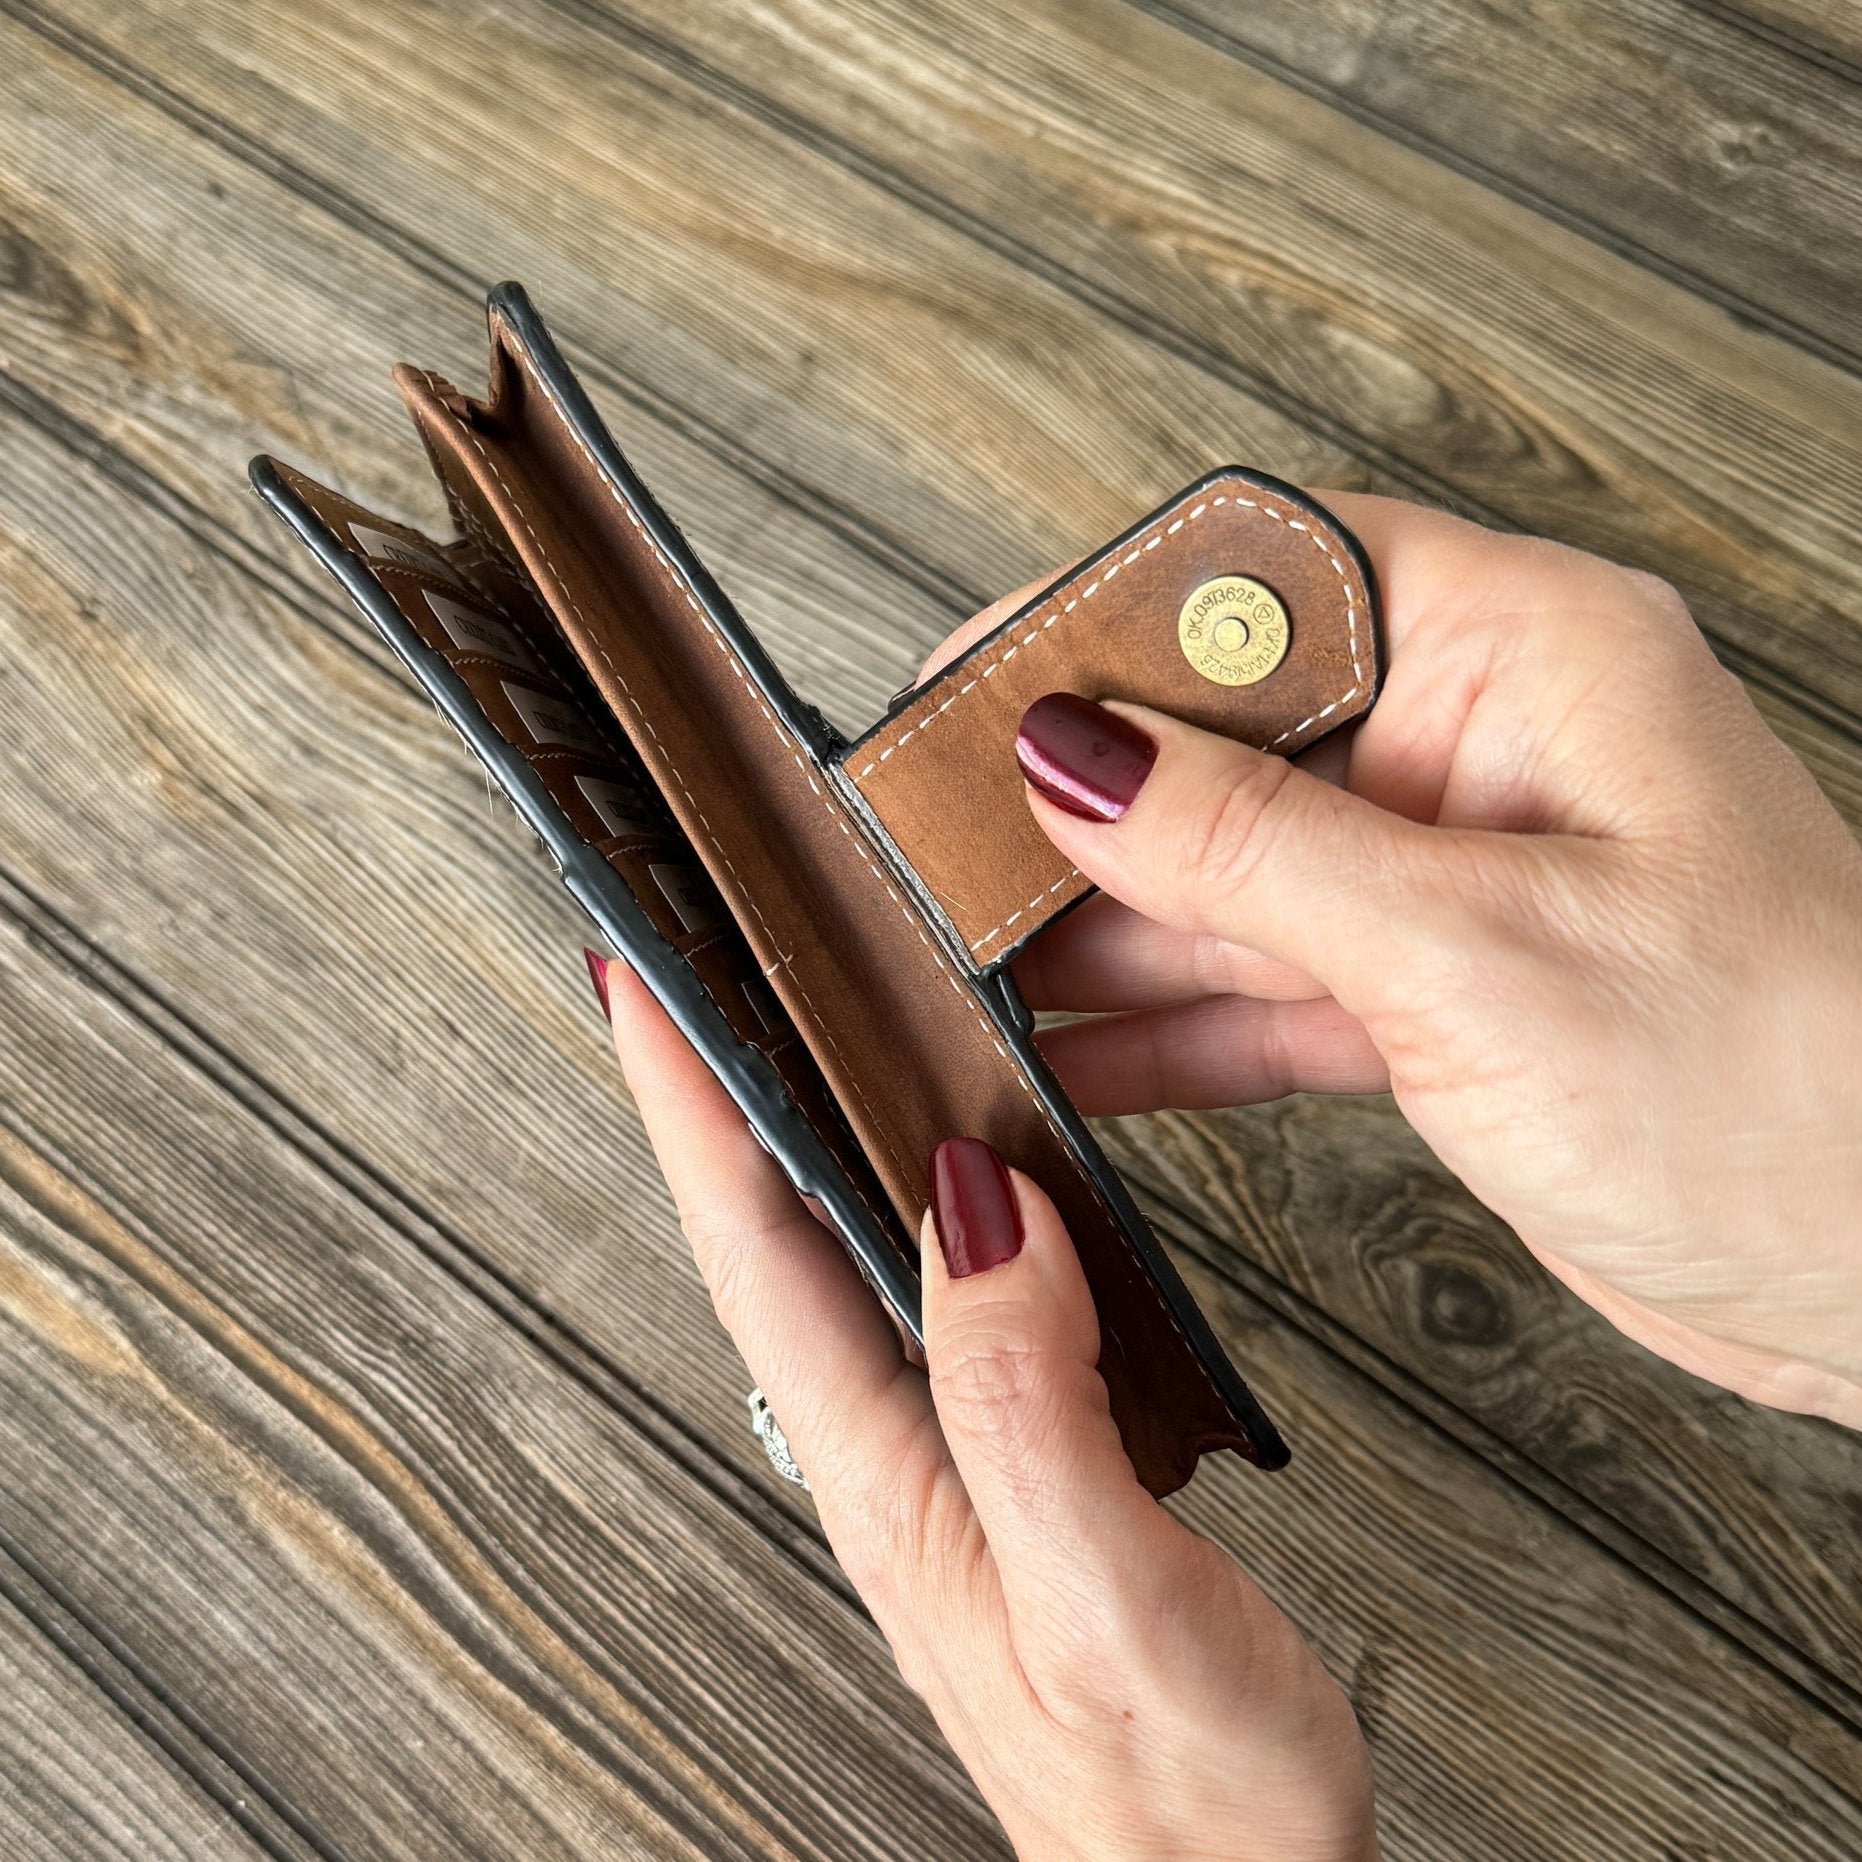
point(973, 1207)
point(598, 975)
point(1082, 757)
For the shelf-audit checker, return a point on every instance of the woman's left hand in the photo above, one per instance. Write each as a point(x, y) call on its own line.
point(1116, 1685)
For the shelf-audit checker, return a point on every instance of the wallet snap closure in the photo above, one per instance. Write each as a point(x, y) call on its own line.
point(1241, 606)
point(1233, 630)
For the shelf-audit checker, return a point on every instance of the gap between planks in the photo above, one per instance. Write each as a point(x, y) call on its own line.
point(1781, 37)
point(1804, 1674)
point(735, 458)
point(89, 1649)
point(1624, 245)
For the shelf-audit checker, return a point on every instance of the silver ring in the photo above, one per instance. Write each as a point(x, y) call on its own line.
point(768, 1431)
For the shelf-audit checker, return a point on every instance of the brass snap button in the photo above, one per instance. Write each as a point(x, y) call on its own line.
point(1233, 630)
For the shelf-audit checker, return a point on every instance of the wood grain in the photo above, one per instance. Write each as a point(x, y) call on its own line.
point(341, 1287)
point(1762, 1470)
point(445, 1600)
point(172, 335)
point(82, 1777)
point(393, 1498)
point(1444, 336)
point(1621, 120)
point(1368, 315)
point(299, 719)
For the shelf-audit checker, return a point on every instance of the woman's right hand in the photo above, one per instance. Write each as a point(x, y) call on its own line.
point(1566, 896)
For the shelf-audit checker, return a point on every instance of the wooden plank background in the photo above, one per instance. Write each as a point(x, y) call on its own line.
point(373, 1478)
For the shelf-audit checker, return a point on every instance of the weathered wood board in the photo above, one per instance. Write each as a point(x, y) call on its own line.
point(361, 1410)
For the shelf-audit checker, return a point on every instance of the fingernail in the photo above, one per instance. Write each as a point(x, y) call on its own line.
point(1082, 757)
point(973, 1207)
point(905, 691)
point(598, 975)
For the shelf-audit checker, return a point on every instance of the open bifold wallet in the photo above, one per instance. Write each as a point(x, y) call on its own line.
point(831, 923)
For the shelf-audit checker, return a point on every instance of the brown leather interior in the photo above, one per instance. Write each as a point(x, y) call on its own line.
point(940, 774)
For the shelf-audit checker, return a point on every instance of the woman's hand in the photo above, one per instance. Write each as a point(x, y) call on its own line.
point(1116, 1686)
point(1564, 894)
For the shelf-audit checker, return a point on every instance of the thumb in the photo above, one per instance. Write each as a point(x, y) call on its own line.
point(1208, 835)
point(1012, 1342)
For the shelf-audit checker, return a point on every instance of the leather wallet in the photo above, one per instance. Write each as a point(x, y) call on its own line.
point(831, 923)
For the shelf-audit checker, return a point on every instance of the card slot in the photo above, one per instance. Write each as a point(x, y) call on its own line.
point(362, 532)
point(466, 635)
point(460, 583)
point(677, 894)
point(472, 628)
point(721, 969)
point(752, 1008)
point(401, 548)
point(443, 570)
point(543, 718)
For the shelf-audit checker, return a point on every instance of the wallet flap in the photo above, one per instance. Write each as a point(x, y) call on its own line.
point(1242, 606)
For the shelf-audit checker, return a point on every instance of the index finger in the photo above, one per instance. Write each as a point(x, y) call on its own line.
point(815, 1339)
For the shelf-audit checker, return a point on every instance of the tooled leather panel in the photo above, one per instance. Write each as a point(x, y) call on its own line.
point(472, 603)
point(940, 774)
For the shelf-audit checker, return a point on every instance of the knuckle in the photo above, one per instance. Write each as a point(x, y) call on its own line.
point(731, 1257)
point(1226, 842)
point(1660, 596)
point(1020, 1405)
point(985, 1380)
point(713, 1244)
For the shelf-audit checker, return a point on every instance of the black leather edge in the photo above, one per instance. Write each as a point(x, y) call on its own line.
point(510, 303)
point(744, 1073)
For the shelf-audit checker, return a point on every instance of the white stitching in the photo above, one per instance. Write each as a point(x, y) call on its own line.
point(1072, 872)
point(1092, 588)
point(1150, 543)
